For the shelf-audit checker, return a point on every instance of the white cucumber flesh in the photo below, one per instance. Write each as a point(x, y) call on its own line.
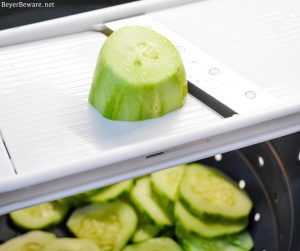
point(109, 225)
point(40, 216)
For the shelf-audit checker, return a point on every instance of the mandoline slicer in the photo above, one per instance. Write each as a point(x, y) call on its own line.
point(54, 144)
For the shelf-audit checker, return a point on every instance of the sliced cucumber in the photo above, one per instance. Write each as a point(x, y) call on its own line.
point(206, 229)
point(145, 232)
point(147, 203)
point(31, 241)
point(165, 184)
point(112, 192)
point(75, 200)
point(243, 240)
point(210, 194)
point(40, 216)
point(71, 244)
point(192, 242)
point(139, 75)
point(109, 225)
point(159, 244)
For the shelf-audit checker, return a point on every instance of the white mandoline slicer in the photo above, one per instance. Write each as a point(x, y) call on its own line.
point(54, 144)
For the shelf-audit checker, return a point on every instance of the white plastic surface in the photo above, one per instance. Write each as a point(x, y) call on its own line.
point(45, 116)
point(260, 39)
point(61, 146)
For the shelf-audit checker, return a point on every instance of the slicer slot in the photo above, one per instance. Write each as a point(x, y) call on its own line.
point(154, 155)
point(6, 162)
point(210, 101)
point(5, 146)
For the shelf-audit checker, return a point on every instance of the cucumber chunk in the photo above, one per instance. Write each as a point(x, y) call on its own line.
point(147, 203)
point(139, 75)
point(165, 184)
point(206, 229)
point(210, 194)
point(40, 216)
point(112, 192)
point(192, 242)
point(109, 225)
point(31, 241)
point(71, 244)
point(163, 244)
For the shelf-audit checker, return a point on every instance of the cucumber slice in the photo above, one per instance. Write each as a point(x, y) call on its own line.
point(243, 240)
point(71, 244)
point(139, 75)
point(40, 216)
point(145, 232)
point(163, 244)
point(113, 192)
point(145, 200)
point(192, 242)
point(31, 241)
point(109, 225)
point(210, 194)
point(77, 200)
point(206, 229)
point(165, 184)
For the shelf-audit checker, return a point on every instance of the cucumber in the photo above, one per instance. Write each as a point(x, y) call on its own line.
point(71, 244)
point(109, 225)
point(147, 203)
point(243, 240)
point(165, 184)
point(139, 75)
point(210, 194)
point(145, 232)
point(206, 229)
point(192, 242)
point(112, 192)
point(163, 244)
point(74, 201)
point(31, 241)
point(40, 216)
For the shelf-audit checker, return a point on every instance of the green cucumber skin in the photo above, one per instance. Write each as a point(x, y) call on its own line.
point(206, 229)
point(143, 209)
point(145, 232)
point(209, 216)
point(62, 210)
point(134, 103)
point(166, 204)
point(161, 243)
point(192, 242)
point(166, 199)
point(117, 98)
point(113, 192)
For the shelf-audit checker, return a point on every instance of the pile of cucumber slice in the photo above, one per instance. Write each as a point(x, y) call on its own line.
point(185, 208)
